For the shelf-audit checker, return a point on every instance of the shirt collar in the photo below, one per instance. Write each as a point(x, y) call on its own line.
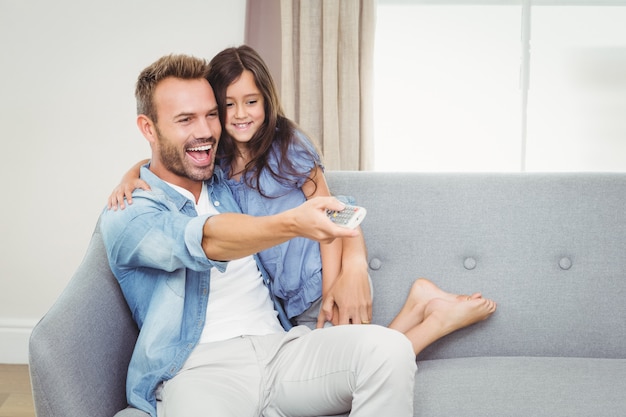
point(157, 184)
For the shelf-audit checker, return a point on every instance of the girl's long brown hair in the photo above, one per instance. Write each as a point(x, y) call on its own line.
point(224, 69)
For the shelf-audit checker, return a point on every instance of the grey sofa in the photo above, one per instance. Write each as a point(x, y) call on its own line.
point(549, 248)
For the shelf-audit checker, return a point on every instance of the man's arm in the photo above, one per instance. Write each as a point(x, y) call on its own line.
point(230, 236)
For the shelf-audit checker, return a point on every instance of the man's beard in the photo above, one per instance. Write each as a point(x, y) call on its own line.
point(175, 162)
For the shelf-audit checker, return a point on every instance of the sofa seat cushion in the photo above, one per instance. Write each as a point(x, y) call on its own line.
point(519, 386)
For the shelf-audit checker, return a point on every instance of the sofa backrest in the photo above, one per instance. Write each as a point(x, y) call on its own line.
point(549, 248)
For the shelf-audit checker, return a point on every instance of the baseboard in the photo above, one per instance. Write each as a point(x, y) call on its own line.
point(14, 335)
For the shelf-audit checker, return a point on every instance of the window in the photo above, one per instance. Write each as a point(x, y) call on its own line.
point(500, 86)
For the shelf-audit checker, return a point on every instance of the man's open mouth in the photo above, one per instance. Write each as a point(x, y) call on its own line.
point(200, 154)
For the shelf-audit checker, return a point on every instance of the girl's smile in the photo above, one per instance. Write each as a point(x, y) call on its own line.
point(242, 126)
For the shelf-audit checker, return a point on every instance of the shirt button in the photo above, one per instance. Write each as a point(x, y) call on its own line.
point(216, 203)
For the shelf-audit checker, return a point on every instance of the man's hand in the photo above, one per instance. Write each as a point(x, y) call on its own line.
point(310, 220)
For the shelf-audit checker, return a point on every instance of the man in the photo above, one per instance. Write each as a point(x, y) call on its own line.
point(212, 341)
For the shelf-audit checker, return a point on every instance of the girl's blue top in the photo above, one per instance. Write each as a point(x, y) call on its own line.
point(295, 267)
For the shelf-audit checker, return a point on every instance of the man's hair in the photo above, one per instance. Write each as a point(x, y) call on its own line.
point(185, 67)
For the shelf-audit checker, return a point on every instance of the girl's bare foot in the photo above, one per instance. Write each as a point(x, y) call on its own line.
point(421, 293)
point(442, 317)
point(426, 290)
point(455, 315)
point(423, 290)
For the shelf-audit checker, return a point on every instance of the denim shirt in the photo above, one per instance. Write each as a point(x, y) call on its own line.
point(155, 252)
point(295, 266)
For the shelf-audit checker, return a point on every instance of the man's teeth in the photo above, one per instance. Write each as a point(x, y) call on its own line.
point(201, 148)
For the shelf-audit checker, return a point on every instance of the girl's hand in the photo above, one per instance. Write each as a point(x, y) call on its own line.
point(349, 300)
point(125, 191)
point(130, 181)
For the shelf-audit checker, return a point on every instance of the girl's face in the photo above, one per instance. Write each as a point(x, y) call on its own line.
point(245, 109)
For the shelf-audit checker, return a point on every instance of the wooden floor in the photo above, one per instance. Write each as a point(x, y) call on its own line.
point(16, 399)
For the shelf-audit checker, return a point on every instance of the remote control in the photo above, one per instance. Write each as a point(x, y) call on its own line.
point(350, 216)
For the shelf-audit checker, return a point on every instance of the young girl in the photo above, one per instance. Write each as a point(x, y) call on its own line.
point(272, 166)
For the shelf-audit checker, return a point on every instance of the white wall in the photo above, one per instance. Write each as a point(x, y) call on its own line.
point(67, 126)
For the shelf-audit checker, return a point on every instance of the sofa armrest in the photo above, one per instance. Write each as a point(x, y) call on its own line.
point(79, 351)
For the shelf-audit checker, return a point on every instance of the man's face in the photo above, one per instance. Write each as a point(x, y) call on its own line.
point(187, 131)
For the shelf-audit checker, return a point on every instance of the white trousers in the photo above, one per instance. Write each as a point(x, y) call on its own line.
point(364, 370)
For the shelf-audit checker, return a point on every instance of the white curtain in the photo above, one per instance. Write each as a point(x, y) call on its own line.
point(326, 71)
